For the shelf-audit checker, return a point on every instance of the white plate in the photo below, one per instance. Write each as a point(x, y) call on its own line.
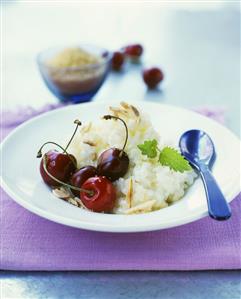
point(22, 181)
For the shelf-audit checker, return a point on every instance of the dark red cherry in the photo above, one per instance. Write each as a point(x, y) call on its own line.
point(56, 167)
point(59, 165)
point(134, 50)
point(81, 175)
point(117, 61)
point(113, 163)
point(103, 197)
point(152, 76)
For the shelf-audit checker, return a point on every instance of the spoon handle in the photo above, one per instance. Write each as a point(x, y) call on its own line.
point(218, 207)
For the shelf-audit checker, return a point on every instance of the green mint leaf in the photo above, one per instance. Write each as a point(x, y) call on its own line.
point(172, 158)
point(149, 148)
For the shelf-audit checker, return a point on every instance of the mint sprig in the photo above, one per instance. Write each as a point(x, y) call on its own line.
point(168, 156)
point(148, 148)
point(172, 158)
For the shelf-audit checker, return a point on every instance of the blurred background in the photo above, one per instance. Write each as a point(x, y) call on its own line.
point(196, 44)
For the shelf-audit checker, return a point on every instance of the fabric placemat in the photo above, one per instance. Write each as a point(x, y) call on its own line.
point(29, 242)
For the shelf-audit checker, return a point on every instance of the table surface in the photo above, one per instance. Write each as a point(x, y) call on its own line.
point(119, 285)
point(198, 47)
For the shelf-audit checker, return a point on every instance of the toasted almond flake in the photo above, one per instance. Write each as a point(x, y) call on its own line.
point(80, 203)
point(141, 208)
point(129, 193)
point(117, 111)
point(73, 202)
point(131, 108)
point(61, 192)
point(90, 143)
point(136, 112)
point(124, 105)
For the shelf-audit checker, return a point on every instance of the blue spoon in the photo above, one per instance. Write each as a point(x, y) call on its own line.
point(197, 147)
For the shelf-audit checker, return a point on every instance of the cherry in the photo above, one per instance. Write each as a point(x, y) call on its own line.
point(152, 77)
point(59, 166)
point(118, 60)
point(134, 50)
point(81, 175)
point(113, 163)
point(103, 197)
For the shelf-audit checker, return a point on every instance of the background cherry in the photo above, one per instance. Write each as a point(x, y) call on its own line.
point(152, 76)
point(134, 50)
point(118, 60)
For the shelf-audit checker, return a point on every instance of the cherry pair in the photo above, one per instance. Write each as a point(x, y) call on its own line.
point(132, 51)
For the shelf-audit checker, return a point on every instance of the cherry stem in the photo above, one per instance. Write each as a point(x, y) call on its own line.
point(78, 123)
point(118, 118)
point(39, 154)
point(91, 193)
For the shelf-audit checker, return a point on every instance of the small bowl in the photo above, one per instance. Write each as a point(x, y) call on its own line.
point(75, 84)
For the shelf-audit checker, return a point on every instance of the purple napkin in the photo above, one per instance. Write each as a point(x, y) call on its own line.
point(29, 242)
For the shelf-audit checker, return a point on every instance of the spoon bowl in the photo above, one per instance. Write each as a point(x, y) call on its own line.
point(197, 147)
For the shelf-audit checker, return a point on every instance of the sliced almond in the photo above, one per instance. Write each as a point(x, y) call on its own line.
point(61, 192)
point(136, 112)
point(118, 112)
point(90, 143)
point(80, 203)
point(130, 107)
point(73, 202)
point(141, 208)
point(129, 193)
point(125, 105)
